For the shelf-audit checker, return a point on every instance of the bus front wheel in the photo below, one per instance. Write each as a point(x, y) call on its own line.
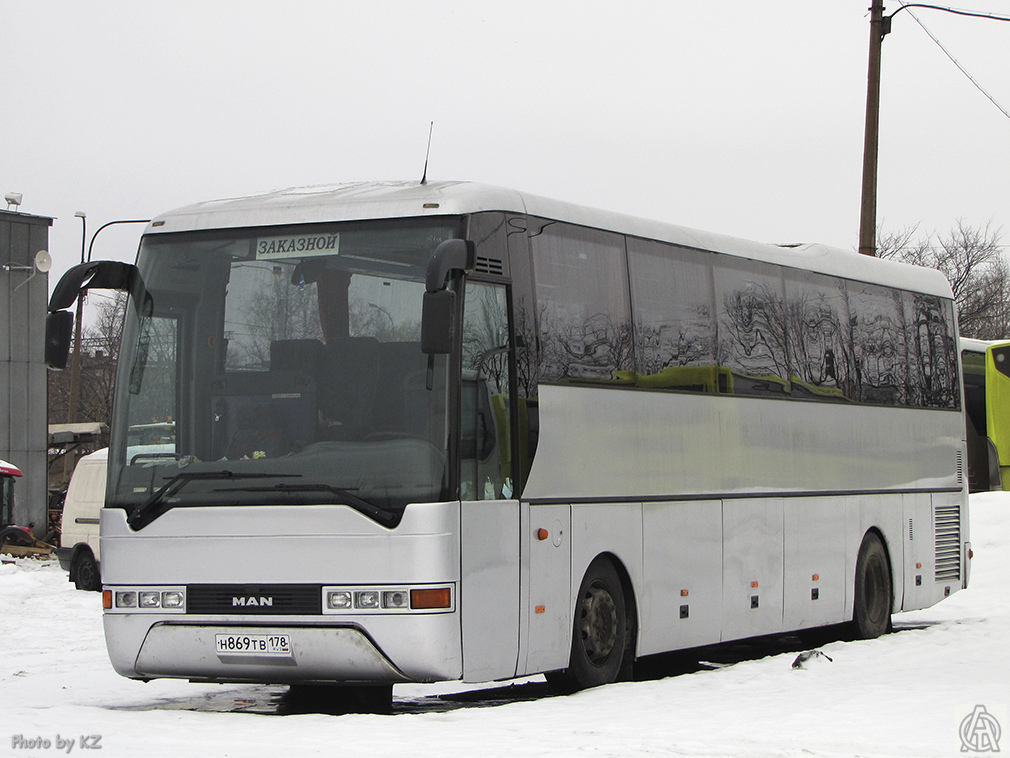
point(871, 612)
point(600, 631)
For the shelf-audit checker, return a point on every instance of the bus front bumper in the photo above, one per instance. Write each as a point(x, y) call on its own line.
point(313, 654)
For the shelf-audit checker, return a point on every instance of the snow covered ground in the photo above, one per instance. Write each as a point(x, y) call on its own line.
point(905, 694)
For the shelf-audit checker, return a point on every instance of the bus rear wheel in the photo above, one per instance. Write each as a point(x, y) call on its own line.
point(600, 632)
point(871, 612)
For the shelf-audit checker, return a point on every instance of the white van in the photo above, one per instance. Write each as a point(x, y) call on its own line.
point(79, 553)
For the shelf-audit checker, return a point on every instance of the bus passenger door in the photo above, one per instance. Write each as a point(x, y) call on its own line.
point(489, 512)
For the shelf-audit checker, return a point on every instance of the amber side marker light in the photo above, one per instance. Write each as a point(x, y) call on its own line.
point(106, 599)
point(439, 597)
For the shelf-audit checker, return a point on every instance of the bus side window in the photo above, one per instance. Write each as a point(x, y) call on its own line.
point(485, 446)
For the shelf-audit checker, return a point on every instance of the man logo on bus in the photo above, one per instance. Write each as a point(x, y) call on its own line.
point(980, 732)
point(251, 601)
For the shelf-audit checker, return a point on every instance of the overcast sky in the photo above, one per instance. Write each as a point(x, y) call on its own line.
point(737, 116)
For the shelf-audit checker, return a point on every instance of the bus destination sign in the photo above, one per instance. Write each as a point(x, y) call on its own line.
point(292, 245)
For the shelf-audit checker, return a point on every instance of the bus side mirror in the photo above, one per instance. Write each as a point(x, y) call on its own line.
point(437, 311)
point(438, 306)
point(59, 330)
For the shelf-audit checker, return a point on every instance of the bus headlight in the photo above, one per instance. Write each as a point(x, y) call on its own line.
point(126, 599)
point(173, 599)
point(394, 599)
point(403, 599)
point(132, 600)
point(366, 600)
point(338, 600)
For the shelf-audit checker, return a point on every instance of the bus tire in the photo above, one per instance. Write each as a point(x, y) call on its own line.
point(600, 631)
point(871, 610)
point(84, 571)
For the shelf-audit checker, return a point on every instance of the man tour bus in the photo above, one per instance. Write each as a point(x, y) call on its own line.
point(448, 431)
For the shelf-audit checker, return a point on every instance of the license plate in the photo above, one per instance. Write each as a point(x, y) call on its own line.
point(253, 644)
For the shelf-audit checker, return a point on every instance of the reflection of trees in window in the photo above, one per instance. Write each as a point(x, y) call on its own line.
point(485, 331)
point(674, 326)
point(820, 355)
point(583, 302)
point(592, 349)
point(526, 349)
point(752, 329)
point(932, 374)
point(687, 342)
point(153, 376)
point(271, 308)
point(878, 340)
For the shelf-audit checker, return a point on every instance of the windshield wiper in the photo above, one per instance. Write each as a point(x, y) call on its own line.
point(346, 497)
point(146, 512)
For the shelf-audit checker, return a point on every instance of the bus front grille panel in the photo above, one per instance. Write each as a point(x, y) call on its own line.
point(947, 531)
point(255, 599)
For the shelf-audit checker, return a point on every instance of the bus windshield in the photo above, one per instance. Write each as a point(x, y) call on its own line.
point(281, 365)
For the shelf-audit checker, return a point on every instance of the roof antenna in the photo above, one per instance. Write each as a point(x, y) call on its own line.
point(424, 176)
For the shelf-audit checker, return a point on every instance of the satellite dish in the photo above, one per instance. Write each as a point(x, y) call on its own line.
point(43, 261)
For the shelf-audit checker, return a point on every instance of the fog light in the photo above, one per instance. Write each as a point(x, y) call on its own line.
point(126, 599)
point(173, 599)
point(366, 599)
point(394, 599)
point(149, 599)
point(338, 599)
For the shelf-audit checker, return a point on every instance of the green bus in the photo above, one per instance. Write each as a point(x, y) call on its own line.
point(987, 400)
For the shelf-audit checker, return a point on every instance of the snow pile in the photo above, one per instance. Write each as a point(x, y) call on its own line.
point(905, 694)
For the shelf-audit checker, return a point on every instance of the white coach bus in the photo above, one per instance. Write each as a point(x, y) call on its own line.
point(455, 432)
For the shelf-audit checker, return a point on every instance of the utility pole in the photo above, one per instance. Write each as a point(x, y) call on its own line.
point(879, 26)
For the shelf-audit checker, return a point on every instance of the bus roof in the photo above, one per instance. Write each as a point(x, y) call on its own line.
point(376, 200)
point(980, 346)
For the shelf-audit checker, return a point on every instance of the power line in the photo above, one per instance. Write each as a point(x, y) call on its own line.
point(955, 11)
point(946, 52)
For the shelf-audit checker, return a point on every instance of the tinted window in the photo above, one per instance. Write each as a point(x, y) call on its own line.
point(674, 317)
point(751, 323)
point(820, 347)
point(932, 353)
point(878, 341)
point(582, 304)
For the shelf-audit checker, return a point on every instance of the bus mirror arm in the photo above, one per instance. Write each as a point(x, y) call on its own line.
point(110, 275)
point(98, 275)
point(450, 255)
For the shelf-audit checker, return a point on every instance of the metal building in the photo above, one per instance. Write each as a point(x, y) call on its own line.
point(24, 292)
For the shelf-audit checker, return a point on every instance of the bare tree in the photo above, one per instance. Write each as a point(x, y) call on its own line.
point(972, 260)
point(99, 356)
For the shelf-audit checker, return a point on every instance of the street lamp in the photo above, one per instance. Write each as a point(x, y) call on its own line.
point(75, 361)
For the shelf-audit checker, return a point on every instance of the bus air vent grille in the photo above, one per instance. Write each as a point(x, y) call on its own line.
point(255, 599)
point(947, 526)
point(493, 266)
